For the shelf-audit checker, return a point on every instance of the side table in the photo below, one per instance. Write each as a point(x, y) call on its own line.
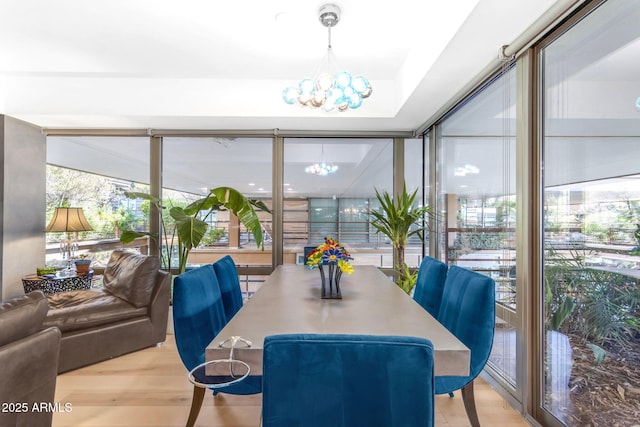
point(56, 284)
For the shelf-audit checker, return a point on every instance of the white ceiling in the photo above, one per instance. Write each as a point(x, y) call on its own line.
point(199, 64)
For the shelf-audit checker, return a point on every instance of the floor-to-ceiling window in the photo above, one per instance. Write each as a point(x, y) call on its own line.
point(591, 213)
point(476, 201)
point(194, 165)
point(94, 173)
point(329, 187)
point(416, 172)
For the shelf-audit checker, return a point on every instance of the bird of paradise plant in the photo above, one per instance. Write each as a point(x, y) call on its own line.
point(190, 221)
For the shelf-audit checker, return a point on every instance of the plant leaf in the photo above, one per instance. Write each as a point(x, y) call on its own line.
point(128, 236)
point(144, 196)
point(399, 219)
point(243, 209)
point(260, 205)
point(207, 204)
point(621, 391)
point(564, 310)
point(599, 353)
point(190, 229)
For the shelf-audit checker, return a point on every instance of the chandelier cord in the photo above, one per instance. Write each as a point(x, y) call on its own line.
point(329, 50)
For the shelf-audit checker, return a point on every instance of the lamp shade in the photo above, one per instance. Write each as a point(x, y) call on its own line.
point(68, 219)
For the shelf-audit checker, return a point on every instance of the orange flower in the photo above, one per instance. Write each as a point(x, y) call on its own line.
point(330, 252)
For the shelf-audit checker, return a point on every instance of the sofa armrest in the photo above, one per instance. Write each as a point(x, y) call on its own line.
point(30, 367)
point(159, 306)
point(22, 316)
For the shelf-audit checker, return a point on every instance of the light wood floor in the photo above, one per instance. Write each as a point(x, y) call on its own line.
point(150, 388)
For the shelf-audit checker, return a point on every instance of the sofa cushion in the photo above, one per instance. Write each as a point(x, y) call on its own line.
point(22, 316)
point(131, 277)
point(81, 309)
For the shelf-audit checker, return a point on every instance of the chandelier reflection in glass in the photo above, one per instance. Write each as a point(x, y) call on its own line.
point(322, 168)
point(466, 170)
point(327, 91)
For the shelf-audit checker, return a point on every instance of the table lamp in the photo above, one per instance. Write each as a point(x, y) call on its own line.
point(68, 220)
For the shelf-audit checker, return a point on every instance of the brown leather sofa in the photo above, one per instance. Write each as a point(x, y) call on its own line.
point(29, 359)
point(129, 313)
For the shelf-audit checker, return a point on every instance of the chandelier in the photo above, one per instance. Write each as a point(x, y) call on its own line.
point(339, 91)
point(466, 170)
point(322, 168)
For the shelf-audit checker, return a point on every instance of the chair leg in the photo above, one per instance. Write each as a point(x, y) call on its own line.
point(196, 404)
point(470, 404)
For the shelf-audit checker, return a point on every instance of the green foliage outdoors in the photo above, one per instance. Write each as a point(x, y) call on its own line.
point(97, 195)
point(505, 212)
point(479, 240)
point(636, 235)
point(212, 236)
point(598, 353)
point(601, 306)
point(565, 308)
point(67, 187)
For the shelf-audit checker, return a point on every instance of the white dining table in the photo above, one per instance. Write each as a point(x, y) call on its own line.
point(289, 302)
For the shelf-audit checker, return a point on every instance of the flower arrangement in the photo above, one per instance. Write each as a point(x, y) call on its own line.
point(330, 252)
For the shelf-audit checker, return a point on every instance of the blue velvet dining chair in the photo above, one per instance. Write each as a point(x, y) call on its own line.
point(430, 284)
point(198, 316)
point(468, 311)
point(227, 274)
point(312, 380)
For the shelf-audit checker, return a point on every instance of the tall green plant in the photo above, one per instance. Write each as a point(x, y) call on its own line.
point(599, 305)
point(399, 219)
point(191, 221)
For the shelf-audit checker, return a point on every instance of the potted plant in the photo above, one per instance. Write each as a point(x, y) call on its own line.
point(399, 219)
point(82, 264)
point(190, 221)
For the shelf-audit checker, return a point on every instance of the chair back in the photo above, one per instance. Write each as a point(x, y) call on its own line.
point(198, 313)
point(198, 316)
point(468, 311)
point(430, 284)
point(227, 275)
point(347, 380)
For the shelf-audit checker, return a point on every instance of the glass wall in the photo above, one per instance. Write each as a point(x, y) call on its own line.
point(413, 164)
point(329, 187)
point(94, 173)
point(193, 166)
point(591, 211)
point(476, 201)
point(414, 178)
